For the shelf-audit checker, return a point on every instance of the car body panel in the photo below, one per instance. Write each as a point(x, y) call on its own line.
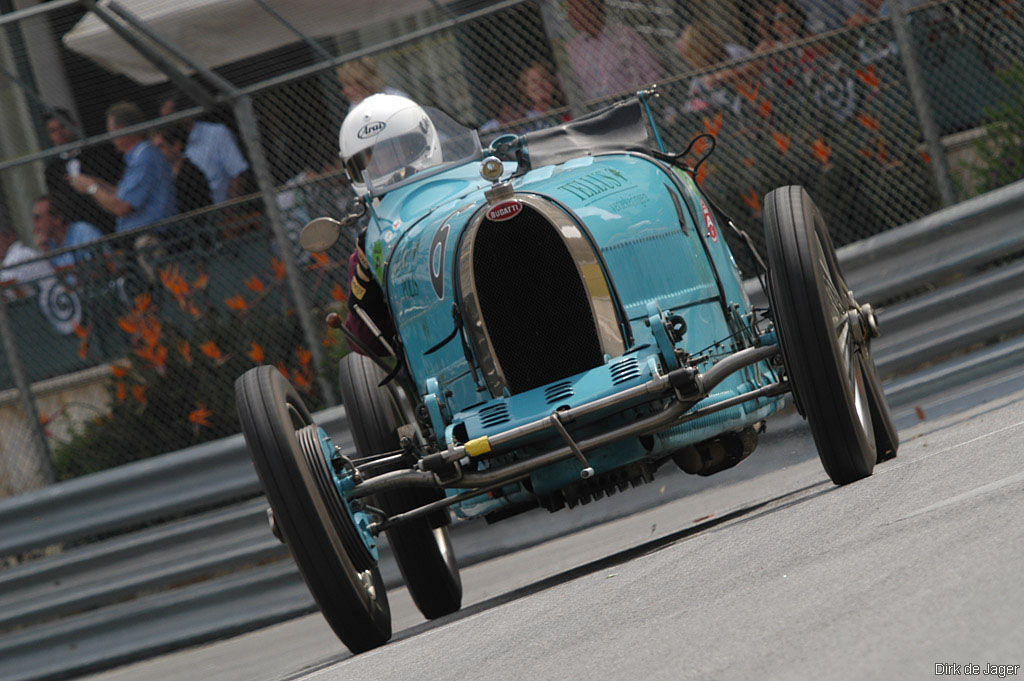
point(658, 242)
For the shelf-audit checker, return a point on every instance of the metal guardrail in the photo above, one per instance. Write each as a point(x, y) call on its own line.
point(931, 250)
point(216, 570)
point(139, 493)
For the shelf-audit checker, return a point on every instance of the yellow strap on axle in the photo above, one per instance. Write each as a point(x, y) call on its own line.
point(478, 446)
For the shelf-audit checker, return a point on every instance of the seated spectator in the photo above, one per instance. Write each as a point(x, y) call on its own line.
point(100, 161)
point(361, 78)
point(191, 186)
point(609, 59)
point(542, 96)
point(52, 230)
point(503, 107)
point(145, 193)
point(21, 264)
point(212, 147)
point(702, 47)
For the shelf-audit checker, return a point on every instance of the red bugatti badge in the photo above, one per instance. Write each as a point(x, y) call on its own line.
point(708, 222)
point(506, 210)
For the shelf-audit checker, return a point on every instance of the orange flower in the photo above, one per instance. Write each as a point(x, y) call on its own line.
point(80, 331)
point(302, 381)
point(869, 122)
point(83, 348)
point(254, 284)
point(120, 391)
point(128, 324)
point(869, 76)
point(749, 90)
point(926, 157)
point(193, 310)
point(210, 349)
point(150, 330)
point(700, 146)
point(713, 127)
point(186, 351)
point(173, 281)
point(118, 370)
point(200, 416)
point(749, 162)
point(752, 201)
point(338, 293)
point(304, 356)
point(46, 419)
point(821, 150)
point(277, 267)
point(782, 141)
point(765, 110)
point(255, 353)
point(201, 281)
point(142, 303)
point(236, 303)
point(139, 394)
point(156, 356)
point(702, 173)
point(866, 153)
point(330, 340)
point(320, 260)
point(282, 368)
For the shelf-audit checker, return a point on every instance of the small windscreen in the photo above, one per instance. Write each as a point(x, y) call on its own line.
point(412, 142)
point(620, 126)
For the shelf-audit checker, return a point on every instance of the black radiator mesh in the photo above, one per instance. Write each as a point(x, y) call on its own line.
point(533, 302)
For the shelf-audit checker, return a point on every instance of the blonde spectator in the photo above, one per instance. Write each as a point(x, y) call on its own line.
point(361, 78)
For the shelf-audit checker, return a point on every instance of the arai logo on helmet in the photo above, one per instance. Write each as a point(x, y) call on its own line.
point(506, 210)
point(370, 129)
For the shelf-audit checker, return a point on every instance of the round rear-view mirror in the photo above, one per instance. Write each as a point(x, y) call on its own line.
point(320, 234)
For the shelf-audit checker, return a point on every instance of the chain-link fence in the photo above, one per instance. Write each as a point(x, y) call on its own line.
point(150, 248)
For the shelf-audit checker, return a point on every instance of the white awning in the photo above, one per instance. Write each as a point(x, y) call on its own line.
point(217, 32)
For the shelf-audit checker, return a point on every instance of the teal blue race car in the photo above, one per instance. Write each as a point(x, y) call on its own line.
point(559, 315)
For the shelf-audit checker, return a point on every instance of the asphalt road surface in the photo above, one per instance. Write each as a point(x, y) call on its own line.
point(767, 571)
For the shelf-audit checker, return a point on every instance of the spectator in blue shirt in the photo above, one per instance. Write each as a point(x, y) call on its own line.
point(53, 231)
point(212, 147)
point(145, 193)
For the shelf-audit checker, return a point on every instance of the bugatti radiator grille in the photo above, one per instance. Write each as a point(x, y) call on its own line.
point(533, 302)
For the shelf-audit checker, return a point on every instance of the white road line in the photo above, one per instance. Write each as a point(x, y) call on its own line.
point(976, 492)
point(902, 464)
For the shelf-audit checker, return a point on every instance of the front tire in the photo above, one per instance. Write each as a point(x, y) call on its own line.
point(824, 343)
point(423, 552)
point(309, 511)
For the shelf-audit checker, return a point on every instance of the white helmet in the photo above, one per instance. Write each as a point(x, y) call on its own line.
point(383, 138)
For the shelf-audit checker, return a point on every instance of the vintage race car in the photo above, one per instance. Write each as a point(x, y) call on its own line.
point(567, 318)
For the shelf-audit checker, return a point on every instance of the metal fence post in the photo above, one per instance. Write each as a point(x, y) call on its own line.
point(915, 78)
point(261, 169)
point(39, 448)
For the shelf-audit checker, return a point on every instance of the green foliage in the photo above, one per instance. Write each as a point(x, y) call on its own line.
point(1000, 152)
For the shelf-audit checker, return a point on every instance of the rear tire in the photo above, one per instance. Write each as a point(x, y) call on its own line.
point(826, 356)
point(423, 552)
point(316, 527)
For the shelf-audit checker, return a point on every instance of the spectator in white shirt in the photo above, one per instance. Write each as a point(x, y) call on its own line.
point(21, 264)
